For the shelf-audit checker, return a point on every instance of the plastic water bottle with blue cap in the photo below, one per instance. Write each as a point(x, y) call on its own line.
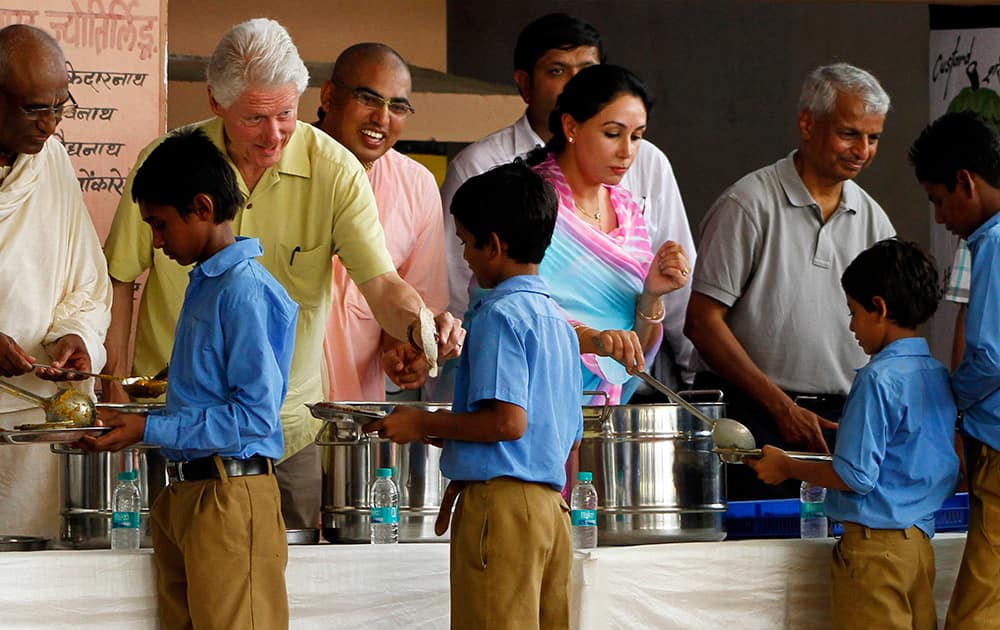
point(583, 512)
point(126, 505)
point(812, 516)
point(383, 497)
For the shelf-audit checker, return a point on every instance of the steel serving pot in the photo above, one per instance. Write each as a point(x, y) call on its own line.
point(350, 462)
point(656, 476)
point(88, 482)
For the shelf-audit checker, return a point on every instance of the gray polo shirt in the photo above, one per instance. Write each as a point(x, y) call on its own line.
point(766, 253)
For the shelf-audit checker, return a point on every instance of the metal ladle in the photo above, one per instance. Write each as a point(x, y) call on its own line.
point(65, 407)
point(726, 432)
point(135, 386)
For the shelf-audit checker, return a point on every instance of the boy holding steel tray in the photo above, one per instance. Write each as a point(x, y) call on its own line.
point(516, 416)
point(218, 535)
point(894, 463)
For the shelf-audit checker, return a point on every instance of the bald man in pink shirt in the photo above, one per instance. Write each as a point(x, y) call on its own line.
point(364, 106)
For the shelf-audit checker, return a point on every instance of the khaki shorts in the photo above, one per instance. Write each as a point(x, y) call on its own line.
point(883, 578)
point(220, 552)
point(975, 601)
point(511, 557)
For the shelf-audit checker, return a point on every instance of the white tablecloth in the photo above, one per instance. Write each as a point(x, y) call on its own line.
point(743, 584)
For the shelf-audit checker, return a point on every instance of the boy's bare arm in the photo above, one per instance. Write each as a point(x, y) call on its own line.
point(494, 421)
point(775, 466)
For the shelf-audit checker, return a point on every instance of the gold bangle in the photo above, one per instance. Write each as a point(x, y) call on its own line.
point(655, 318)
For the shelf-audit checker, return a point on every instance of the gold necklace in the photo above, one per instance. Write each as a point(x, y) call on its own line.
point(594, 217)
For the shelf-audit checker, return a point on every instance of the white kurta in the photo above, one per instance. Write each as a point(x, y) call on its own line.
point(53, 282)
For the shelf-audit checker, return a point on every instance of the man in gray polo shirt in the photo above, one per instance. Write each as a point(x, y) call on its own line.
point(767, 314)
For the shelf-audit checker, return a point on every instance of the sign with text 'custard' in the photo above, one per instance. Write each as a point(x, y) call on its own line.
point(115, 59)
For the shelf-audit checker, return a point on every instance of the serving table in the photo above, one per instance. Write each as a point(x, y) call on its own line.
point(746, 584)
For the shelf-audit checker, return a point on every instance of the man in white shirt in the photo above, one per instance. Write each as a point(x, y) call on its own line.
point(54, 284)
point(548, 53)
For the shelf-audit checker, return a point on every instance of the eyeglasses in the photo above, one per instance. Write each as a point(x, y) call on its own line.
point(38, 112)
point(398, 107)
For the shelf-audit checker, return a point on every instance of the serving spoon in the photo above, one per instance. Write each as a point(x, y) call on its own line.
point(65, 407)
point(136, 386)
point(726, 432)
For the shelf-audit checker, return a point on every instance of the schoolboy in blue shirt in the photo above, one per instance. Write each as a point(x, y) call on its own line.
point(894, 463)
point(516, 416)
point(218, 536)
point(957, 161)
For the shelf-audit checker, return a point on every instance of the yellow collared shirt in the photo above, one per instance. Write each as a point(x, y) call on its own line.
point(315, 203)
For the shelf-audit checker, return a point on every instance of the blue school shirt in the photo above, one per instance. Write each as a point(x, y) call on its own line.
point(896, 443)
point(976, 382)
point(521, 350)
point(229, 365)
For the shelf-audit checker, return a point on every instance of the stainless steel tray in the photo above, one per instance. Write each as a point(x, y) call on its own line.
point(338, 411)
point(23, 543)
point(50, 436)
point(302, 536)
point(130, 407)
point(736, 455)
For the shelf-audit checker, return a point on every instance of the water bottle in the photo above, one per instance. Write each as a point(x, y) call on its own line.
point(383, 497)
point(812, 515)
point(583, 512)
point(125, 532)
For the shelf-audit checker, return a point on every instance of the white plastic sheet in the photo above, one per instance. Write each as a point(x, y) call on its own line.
point(745, 584)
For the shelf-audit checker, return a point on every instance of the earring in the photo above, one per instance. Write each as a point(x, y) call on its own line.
point(570, 139)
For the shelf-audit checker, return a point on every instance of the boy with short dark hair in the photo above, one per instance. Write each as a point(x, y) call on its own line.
point(957, 161)
point(517, 414)
point(894, 463)
point(218, 536)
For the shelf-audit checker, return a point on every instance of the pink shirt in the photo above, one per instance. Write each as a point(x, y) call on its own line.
point(409, 207)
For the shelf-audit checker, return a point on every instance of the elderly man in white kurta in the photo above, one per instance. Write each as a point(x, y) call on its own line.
point(55, 295)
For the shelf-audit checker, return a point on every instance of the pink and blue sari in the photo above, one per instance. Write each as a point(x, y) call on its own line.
point(596, 277)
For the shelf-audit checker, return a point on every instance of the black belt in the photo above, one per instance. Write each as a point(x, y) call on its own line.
point(205, 468)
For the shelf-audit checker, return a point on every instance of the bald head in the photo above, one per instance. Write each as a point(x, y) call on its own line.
point(32, 76)
point(353, 103)
point(349, 61)
point(23, 46)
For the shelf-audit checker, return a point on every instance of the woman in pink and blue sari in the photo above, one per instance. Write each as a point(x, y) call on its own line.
point(600, 267)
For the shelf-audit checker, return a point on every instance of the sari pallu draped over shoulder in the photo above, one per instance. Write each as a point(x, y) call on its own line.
point(596, 277)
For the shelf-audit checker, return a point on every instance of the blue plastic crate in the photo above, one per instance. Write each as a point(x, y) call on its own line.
point(775, 518)
point(779, 518)
point(954, 514)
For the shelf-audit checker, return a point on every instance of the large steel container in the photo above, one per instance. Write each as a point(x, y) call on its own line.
point(656, 476)
point(350, 462)
point(88, 482)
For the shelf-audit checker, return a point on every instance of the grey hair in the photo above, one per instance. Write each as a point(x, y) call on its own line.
point(822, 85)
point(257, 53)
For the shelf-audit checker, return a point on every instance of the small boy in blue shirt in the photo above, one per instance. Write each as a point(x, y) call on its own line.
point(957, 161)
point(516, 416)
point(894, 463)
point(218, 536)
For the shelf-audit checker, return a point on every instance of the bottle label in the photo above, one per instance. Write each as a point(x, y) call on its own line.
point(126, 520)
point(385, 515)
point(812, 510)
point(584, 518)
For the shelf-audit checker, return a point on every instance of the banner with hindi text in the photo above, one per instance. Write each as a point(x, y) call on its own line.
point(116, 59)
